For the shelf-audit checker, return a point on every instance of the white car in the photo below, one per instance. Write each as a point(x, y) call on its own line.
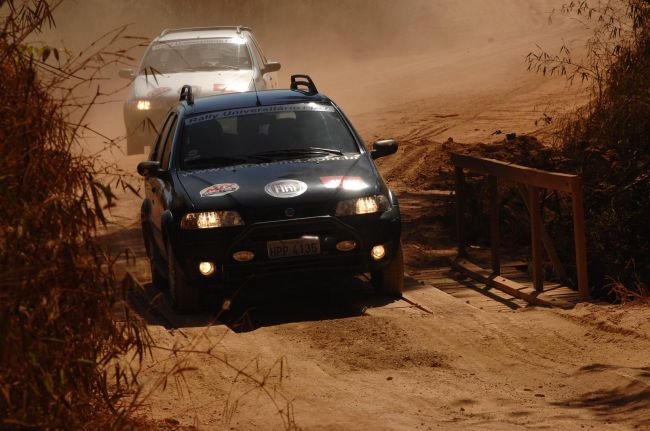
point(213, 60)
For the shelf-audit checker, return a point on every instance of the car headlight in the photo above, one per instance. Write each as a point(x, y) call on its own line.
point(211, 220)
point(238, 87)
point(365, 205)
point(143, 105)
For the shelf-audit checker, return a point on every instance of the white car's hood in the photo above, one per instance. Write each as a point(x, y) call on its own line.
point(203, 84)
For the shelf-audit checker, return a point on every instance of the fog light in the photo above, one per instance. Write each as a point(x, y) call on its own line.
point(206, 268)
point(346, 246)
point(378, 252)
point(243, 256)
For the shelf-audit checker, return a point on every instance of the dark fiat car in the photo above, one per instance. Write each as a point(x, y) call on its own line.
point(266, 183)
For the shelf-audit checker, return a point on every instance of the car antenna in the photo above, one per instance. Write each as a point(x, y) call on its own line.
point(257, 97)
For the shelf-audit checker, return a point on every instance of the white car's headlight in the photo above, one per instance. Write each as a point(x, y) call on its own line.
point(238, 87)
point(211, 220)
point(143, 105)
point(366, 205)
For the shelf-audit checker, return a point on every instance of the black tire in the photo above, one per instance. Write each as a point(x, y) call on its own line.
point(390, 279)
point(158, 276)
point(185, 298)
point(156, 263)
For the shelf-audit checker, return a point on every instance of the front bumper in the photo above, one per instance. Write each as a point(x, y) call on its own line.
point(218, 246)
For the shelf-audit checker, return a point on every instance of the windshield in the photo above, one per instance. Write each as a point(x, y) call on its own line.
point(197, 54)
point(263, 134)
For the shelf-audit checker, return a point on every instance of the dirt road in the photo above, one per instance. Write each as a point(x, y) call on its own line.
point(348, 360)
point(335, 356)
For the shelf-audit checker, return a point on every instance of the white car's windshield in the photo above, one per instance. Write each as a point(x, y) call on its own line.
point(265, 133)
point(191, 55)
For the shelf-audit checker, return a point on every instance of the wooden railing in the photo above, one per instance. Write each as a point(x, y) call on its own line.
point(529, 182)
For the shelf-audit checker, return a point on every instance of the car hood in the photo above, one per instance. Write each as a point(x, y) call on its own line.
point(203, 84)
point(313, 183)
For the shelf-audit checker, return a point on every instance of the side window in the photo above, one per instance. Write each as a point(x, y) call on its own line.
point(156, 151)
point(167, 150)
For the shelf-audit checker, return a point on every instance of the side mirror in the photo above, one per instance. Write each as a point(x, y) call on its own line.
point(271, 66)
point(126, 73)
point(384, 147)
point(149, 168)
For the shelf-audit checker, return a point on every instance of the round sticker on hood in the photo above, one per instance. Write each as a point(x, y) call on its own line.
point(219, 190)
point(285, 188)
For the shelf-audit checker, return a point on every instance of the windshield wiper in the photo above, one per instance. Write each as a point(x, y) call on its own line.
point(298, 152)
point(327, 150)
point(226, 66)
point(208, 67)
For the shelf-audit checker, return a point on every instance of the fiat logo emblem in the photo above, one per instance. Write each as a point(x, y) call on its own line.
point(290, 212)
point(285, 188)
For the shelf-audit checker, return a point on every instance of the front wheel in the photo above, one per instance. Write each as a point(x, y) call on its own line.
point(156, 263)
point(390, 279)
point(185, 298)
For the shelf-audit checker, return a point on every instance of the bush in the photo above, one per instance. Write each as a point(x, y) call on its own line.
point(607, 142)
point(58, 294)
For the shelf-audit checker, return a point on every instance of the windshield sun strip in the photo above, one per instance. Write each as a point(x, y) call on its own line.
point(310, 106)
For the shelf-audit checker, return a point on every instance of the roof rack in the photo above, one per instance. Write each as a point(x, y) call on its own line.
point(301, 80)
point(237, 28)
point(186, 94)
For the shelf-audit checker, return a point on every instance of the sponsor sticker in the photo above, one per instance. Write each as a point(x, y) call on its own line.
point(343, 182)
point(311, 106)
point(285, 188)
point(216, 190)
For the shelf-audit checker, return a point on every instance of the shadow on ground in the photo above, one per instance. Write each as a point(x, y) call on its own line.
point(261, 303)
point(628, 402)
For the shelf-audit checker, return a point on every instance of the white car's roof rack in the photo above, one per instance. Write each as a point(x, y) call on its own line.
point(237, 28)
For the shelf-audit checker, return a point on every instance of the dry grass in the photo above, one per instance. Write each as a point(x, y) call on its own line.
point(607, 142)
point(58, 292)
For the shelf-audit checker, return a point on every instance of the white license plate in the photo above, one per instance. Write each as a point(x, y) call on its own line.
point(305, 246)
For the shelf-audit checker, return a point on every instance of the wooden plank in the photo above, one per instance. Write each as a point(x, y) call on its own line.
point(516, 173)
point(495, 235)
point(460, 211)
point(558, 268)
point(580, 238)
point(536, 238)
point(508, 286)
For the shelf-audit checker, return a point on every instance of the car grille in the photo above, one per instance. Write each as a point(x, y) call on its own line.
point(330, 231)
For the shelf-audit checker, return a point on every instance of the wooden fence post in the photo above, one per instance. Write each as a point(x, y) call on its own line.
point(495, 233)
point(536, 238)
point(580, 239)
point(460, 211)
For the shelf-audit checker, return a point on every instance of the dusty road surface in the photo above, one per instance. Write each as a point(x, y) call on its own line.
point(334, 356)
point(348, 360)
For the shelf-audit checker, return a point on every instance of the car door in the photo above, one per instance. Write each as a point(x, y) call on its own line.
point(159, 187)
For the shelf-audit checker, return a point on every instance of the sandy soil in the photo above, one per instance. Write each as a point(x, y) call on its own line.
point(334, 356)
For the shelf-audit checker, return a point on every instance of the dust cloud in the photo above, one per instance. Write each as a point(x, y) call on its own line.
point(365, 54)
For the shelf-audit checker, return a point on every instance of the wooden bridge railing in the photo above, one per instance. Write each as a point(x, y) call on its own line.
point(530, 182)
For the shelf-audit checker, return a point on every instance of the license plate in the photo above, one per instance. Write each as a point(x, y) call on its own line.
point(305, 246)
